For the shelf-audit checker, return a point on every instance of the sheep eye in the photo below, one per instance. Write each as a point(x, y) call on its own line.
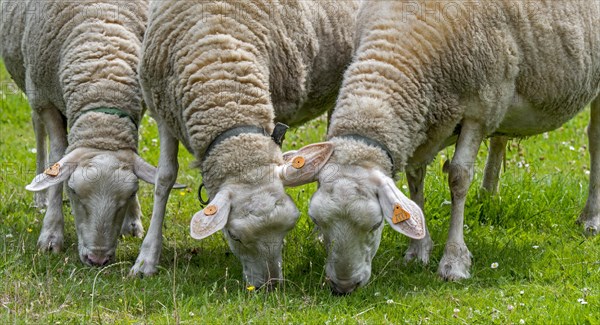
point(232, 236)
point(313, 220)
point(70, 189)
point(376, 226)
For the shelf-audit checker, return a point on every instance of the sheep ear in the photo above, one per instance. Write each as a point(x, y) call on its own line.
point(303, 166)
point(404, 215)
point(57, 173)
point(212, 218)
point(146, 172)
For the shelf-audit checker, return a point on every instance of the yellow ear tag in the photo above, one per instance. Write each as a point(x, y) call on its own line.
point(210, 210)
point(400, 215)
point(298, 162)
point(53, 171)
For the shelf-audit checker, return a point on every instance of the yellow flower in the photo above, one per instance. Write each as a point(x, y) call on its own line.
point(250, 288)
point(182, 193)
point(29, 230)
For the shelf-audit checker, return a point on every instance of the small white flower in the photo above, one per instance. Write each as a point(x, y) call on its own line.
point(33, 150)
point(535, 246)
point(522, 292)
point(587, 172)
point(494, 265)
point(154, 140)
point(456, 310)
point(586, 289)
point(521, 321)
point(192, 314)
point(9, 236)
point(390, 301)
point(377, 294)
point(510, 307)
point(571, 148)
point(582, 301)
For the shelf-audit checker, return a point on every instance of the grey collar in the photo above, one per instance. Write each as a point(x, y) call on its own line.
point(371, 142)
point(278, 135)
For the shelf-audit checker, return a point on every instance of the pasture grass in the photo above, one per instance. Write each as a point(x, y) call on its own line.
point(545, 263)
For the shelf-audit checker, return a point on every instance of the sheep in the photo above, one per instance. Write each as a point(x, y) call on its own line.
point(427, 74)
point(216, 76)
point(77, 64)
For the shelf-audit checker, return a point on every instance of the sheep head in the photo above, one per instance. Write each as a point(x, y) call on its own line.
point(349, 208)
point(256, 216)
point(101, 186)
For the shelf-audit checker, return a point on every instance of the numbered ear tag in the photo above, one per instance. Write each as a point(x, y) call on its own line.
point(298, 162)
point(53, 171)
point(210, 210)
point(400, 215)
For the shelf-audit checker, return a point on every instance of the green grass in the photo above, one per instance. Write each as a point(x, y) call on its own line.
point(545, 263)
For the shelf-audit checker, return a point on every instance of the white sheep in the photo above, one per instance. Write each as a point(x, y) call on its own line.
point(425, 70)
point(216, 75)
point(77, 64)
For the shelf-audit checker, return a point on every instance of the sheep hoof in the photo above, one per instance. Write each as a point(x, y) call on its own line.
point(419, 250)
point(455, 263)
point(133, 228)
point(143, 268)
point(590, 222)
point(50, 242)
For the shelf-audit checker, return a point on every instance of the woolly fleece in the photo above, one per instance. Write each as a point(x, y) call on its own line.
point(420, 70)
point(208, 67)
point(74, 56)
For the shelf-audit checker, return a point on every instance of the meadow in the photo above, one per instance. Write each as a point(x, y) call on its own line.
point(532, 264)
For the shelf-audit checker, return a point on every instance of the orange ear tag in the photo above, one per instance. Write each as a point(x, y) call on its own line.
point(210, 210)
point(400, 215)
point(298, 162)
point(53, 171)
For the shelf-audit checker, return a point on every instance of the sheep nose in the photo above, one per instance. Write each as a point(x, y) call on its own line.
point(97, 260)
point(343, 289)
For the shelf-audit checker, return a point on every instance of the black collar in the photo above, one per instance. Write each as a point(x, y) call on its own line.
point(371, 142)
point(278, 135)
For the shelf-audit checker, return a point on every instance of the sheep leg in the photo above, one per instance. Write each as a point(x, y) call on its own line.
point(40, 199)
point(456, 262)
point(419, 249)
point(52, 234)
point(590, 217)
point(494, 164)
point(132, 225)
point(147, 261)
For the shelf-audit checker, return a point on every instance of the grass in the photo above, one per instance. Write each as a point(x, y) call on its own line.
point(545, 264)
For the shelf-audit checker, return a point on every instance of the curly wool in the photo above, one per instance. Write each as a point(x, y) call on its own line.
point(103, 131)
point(75, 56)
point(210, 66)
point(421, 69)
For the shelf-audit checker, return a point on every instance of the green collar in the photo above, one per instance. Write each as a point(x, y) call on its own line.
point(110, 111)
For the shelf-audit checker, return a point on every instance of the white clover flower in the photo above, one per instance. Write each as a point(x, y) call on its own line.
point(494, 265)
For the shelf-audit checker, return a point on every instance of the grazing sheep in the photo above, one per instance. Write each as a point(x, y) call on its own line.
point(424, 71)
point(216, 75)
point(76, 62)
